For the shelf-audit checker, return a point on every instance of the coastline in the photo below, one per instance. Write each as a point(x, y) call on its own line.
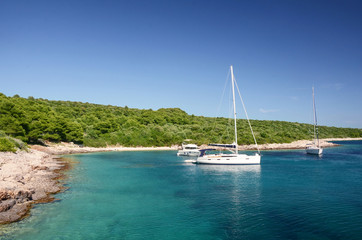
point(30, 177)
point(70, 148)
point(27, 177)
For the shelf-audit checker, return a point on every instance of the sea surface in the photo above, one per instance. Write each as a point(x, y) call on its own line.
point(156, 195)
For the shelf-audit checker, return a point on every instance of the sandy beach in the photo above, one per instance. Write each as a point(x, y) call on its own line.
point(31, 177)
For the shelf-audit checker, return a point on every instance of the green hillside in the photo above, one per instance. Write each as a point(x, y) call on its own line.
point(34, 120)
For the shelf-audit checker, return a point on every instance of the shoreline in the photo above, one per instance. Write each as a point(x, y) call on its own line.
point(70, 148)
point(27, 178)
point(31, 177)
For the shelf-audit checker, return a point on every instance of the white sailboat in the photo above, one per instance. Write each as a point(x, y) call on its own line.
point(315, 147)
point(234, 158)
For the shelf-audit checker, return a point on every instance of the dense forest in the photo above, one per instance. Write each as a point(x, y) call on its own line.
point(38, 120)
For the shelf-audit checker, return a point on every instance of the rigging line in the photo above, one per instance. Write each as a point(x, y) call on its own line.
point(229, 118)
point(223, 93)
point(230, 110)
point(221, 100)
point(237, 87)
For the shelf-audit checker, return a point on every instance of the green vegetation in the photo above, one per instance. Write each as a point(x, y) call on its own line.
point(9, 144)
point(6, 145)
point(35, 120)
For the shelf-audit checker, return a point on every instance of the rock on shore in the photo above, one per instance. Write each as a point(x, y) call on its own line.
point(25, 178)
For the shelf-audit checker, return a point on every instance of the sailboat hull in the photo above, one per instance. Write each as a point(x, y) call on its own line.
point(314, 150)
point(230, 159)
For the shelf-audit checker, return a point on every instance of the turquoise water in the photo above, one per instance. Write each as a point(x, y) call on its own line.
point(155, 195)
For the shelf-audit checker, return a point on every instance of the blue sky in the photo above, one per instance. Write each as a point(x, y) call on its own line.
point(155, 54)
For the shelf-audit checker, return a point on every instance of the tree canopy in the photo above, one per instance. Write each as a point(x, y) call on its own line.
point(33, 120)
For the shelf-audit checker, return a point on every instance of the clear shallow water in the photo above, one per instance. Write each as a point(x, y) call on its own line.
point(155, 195)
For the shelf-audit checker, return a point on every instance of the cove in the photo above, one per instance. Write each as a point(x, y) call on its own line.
point(156, 195)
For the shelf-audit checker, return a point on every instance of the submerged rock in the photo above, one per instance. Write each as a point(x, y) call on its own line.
point(17, 212)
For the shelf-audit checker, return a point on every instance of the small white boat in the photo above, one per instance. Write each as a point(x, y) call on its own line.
point(234, 158)
point(191, 150)
point(315, 148)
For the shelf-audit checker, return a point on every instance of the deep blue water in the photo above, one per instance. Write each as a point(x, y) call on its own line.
point(155, 195)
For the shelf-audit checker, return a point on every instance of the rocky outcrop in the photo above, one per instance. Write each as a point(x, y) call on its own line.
point(26, 178)
point(6, 205)
point(18, 196)
point(14, 205)
point(15, 213)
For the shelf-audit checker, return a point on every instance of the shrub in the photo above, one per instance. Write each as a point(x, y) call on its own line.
point(6, 145)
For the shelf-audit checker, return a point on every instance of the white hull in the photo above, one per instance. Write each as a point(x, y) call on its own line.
point(314, 150)
point(188, 153)
point(229, 159)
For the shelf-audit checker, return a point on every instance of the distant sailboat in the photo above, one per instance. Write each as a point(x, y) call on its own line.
point(315, 147)
point(234, 158)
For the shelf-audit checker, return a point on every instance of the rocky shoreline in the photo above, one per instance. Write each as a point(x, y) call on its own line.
point(32, 177)
point(27, 178)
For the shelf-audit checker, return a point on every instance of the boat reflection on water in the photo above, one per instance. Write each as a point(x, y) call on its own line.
point(239, 187)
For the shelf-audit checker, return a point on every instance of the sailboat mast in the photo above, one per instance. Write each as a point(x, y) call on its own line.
point(233, 88)
point(314, 135)
point(315, 120)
